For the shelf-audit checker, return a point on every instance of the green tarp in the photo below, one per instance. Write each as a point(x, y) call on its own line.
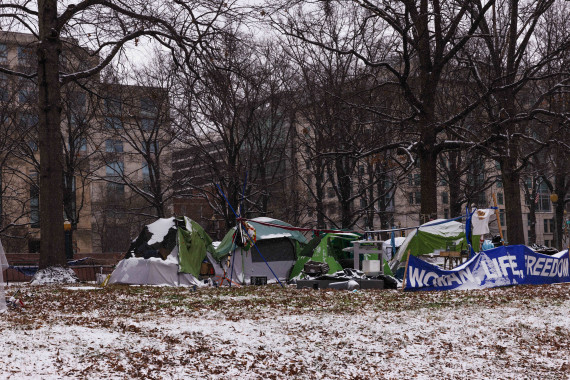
point(424, 243)
point(193, 242)
point(328, 250)
point(262, 232)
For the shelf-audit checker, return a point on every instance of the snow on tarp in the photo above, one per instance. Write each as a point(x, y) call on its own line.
point(502, 266)
point(159, 229)
point(54, 275)
point(167, 252)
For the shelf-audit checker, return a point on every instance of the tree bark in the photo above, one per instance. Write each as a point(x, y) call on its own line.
point(511, 186)
point(561, 190)
point(52, 246)
point(428, 173)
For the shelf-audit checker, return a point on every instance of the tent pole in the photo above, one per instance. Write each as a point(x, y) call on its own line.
point(497, 215)
point(233, 258)
point(250, 239)
point(406, 270)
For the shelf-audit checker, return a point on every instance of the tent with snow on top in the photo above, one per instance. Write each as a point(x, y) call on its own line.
point(328, 248)
point(167, 252)
point(437, 235)
point(278, 245)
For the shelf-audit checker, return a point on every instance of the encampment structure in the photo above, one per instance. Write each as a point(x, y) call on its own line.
point(431, 237)
point(167, 252)
point(278, 250)
point(328, 248)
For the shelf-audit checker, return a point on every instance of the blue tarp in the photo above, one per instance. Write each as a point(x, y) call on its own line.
point(502, 266)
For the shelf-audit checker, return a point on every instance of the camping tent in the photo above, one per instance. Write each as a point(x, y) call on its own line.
point(328, 248)
point(279, 246)
point(3, 266)
point(167, 252)
point(429, 238)
point(387, 246)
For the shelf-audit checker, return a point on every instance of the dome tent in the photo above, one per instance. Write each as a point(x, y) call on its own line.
point(278, 245)
point(166, 252)
point(427, 238)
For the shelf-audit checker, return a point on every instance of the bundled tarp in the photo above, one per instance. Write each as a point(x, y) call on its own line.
point(434, 236)
point(502, 266)
point(328, 248)
point(278, 246)
point(3, 267)
point(167, 252)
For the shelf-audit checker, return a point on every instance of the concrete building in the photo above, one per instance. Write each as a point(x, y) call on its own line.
point(113, 137)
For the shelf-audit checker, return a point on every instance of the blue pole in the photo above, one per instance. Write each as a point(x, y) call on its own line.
point(393, 242)
point(252, 242)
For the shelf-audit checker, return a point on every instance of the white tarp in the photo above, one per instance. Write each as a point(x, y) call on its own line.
point(152, 271)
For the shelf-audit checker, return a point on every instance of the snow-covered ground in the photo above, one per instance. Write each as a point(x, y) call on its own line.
point(265, 332)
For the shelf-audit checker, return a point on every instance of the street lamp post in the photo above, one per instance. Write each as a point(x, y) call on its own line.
point(68, 245)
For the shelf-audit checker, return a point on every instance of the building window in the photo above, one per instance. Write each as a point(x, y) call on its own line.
point(73, 205)
point(147, 124)
point(445, 198)
point(4, 90)
point(114, 169)
point(113, 105)
point(548, 226)
point(113, 146)
point(445, 213)
point(500, 198)
point(115, 188)
point(113, 123)
point(415, 198)
point(543, 198)
point(502, 217)
point(148, 107)
point(330, 192)
point(25, 56)
point(79, 146)
point(414, 180)
point(386, 202)
point(78, 102)
point(3, 53)
point(152, 148)
point(28, 120)
point(33, 145)
point(146, 177)
point(27, 95)
point(481, 199)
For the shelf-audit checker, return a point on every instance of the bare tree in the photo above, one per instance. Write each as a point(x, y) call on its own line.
point(507, 61)
point(106, 27)
point(236, 123)
point(424, 38)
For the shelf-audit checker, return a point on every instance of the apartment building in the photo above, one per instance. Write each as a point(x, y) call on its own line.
point(116, 154)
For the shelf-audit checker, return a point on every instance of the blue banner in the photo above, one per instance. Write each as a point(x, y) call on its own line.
point(502, 266)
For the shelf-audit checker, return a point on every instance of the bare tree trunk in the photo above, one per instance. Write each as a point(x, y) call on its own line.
point(453, 180)
point(511, 185)
point(428, 173)
point(52, 251)
point(561, 191)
